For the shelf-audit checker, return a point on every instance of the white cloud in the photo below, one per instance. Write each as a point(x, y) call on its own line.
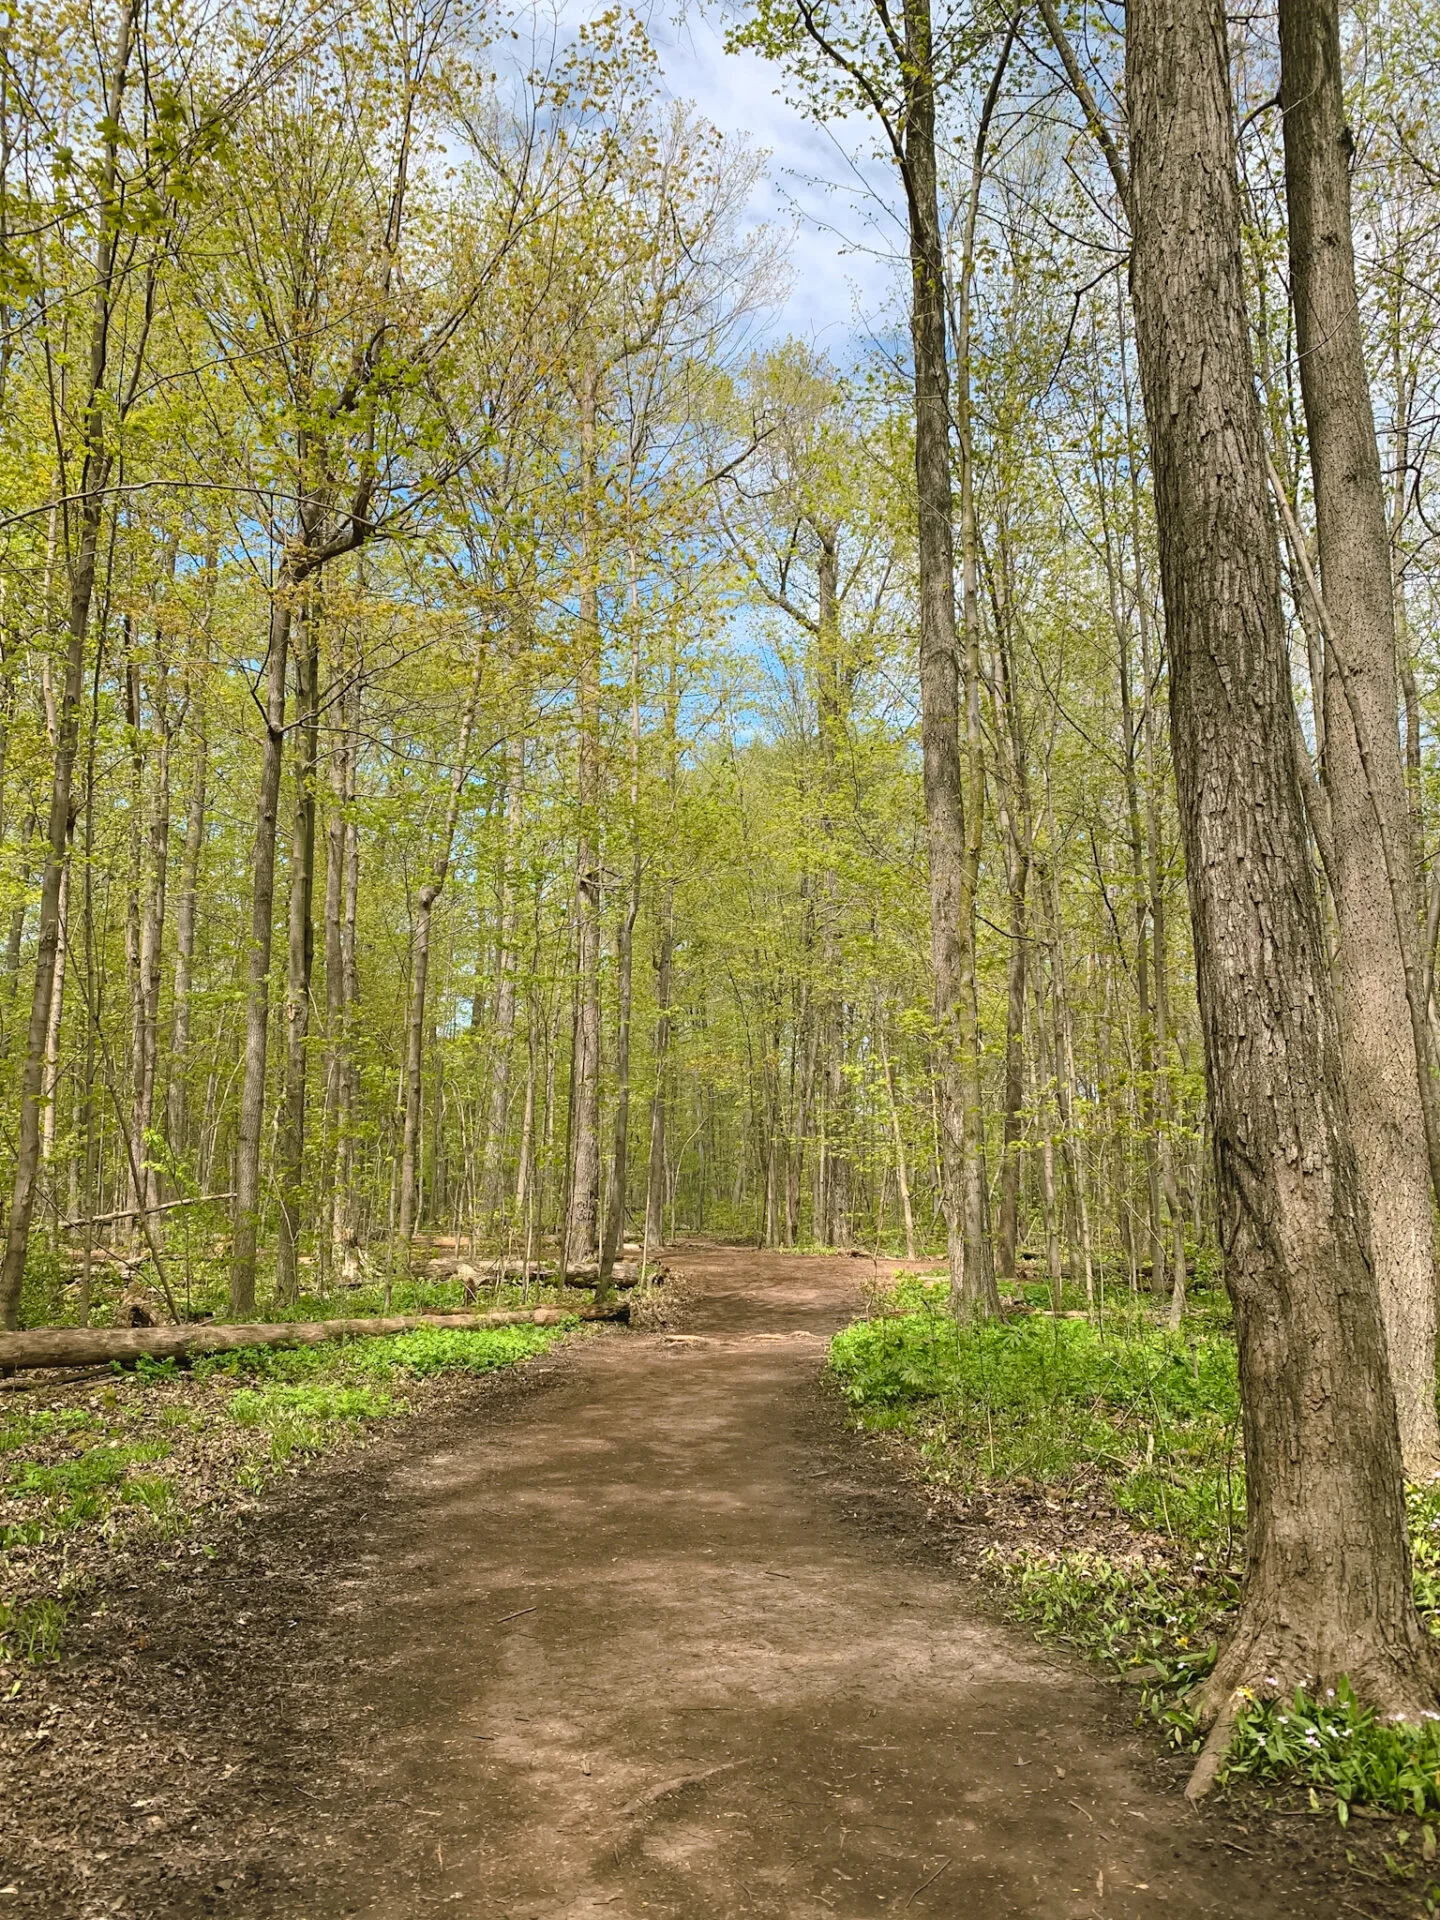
point(827, 190)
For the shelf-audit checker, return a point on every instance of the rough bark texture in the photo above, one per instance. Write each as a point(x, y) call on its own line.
point(492, 1167)
point(583, 1213)
point(300, 960)
point(95, 470)
point(1382, 1075)
point(1327, 1583)
point(176, 1127)
point(420, 963)
point(655, 1171)
point(971, 1276)
point(246, 1217)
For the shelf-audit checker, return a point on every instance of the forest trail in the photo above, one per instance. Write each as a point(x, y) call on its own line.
point(636, 1632)
point(630, 1656)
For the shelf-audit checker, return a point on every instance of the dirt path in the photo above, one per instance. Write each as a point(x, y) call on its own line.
point(621, 1650)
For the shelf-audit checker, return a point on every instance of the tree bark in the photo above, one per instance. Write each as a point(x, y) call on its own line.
point(53, 1025)
point(1383, 1076)
point(300, 956)
point(95, 470)
point(582, 1221)
point(1327, 1578)
point(246, 1216)
point(149, 954)
point(420, 962)
point(971, 1273)
point(177, 1090)
point(492, 1176)
point(659, 1107)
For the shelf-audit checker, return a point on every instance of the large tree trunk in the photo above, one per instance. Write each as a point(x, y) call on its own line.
point(1367, 797)
point(1327, 1579)
point(300, 957)
point(971, 1273)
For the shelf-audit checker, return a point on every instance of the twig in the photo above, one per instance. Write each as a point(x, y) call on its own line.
point(930, 1882)
point(516, 1616)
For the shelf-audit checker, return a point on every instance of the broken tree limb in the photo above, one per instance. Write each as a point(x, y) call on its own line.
point(89, 1346)
point(134, 1213)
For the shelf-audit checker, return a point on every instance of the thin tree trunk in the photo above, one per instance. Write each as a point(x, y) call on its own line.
point(582, 1214)
point(300, 956)
point(1386, 1084)
point(177, 1091)
point(1327, 1578)
point(659, 1104)
point(901, 1175)
point(492, 1180)
point(94, 474)
point(951, 949)
point(152, 940)
point(420, 963)
point(246, 1218)
point(53, 1027)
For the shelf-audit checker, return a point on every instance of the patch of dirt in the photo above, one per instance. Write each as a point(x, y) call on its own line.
point(639, 1629)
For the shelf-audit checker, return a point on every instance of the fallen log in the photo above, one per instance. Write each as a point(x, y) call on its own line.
point(621, 1277)
point(91, 1346)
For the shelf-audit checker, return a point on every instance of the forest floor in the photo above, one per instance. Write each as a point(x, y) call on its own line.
point(639, 1628)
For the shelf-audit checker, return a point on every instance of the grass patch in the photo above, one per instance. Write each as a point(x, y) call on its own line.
point(1114, 1454)
point(32, 1630)
point(78, 1483)
point(1154, 1415)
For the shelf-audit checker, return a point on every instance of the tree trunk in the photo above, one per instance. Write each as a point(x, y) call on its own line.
point(177, 1091)
point(95, 470)
point(659, 1109)
point(1327, 1577)
point(420, 962)
point(246, 1217)
point(582, 1221)
point(342, 975)
point(492, 1178)
point(300, 955)
point(901, 1173)
point(151, 943)
point(971, 1275)
point(1383, 1079)
point(53, 1025)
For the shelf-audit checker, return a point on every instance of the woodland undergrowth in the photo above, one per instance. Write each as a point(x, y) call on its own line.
point(1103, 1459)
point(161, 1459)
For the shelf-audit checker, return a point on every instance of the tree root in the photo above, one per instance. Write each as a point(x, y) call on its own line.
point(1207, 1767)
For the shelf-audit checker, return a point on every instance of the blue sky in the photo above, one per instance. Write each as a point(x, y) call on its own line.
point(825, 189)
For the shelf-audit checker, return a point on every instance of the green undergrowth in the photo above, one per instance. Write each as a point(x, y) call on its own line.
point(1107, 1459)
point(166, 1451)
point(196, 1269)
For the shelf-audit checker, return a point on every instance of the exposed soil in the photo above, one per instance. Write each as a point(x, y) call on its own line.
point(640, 1630)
